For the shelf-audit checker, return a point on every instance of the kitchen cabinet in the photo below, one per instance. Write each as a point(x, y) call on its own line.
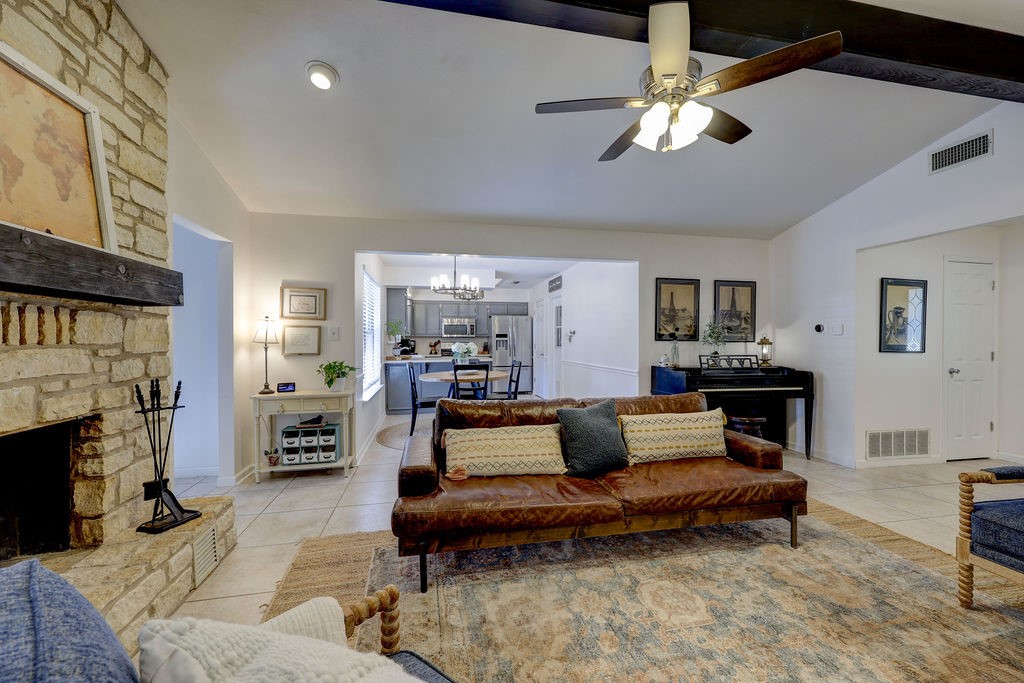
point(426, 319)
point(396, 389)
point(519, 308)
point(398, 307)
point(457, 310)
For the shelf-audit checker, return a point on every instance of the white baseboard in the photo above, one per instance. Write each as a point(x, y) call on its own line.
point(363, 447)
point(189, 472)
point(1012, 457)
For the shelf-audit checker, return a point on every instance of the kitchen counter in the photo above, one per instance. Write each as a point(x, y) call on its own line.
point(433, 359)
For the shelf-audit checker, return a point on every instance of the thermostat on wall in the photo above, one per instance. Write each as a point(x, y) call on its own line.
point(284, 387)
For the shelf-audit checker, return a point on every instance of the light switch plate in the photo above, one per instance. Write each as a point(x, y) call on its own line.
point(837, 329)
point(333, 333)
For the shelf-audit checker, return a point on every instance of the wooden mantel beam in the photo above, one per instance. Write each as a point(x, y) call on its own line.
point(878, 43)
point(35, 263)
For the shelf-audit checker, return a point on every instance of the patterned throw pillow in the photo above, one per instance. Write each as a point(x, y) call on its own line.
point(667, 436)
point(530, 449)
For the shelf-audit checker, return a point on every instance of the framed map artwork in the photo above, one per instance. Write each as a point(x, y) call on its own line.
point(53, 177)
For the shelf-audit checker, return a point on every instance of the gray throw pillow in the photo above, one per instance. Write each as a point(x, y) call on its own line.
point(591, 440)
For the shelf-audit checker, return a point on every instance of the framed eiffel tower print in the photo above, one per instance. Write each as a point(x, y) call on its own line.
point(736, 309)
point(676, 309)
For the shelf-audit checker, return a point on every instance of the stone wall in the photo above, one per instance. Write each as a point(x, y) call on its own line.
point(62, 359)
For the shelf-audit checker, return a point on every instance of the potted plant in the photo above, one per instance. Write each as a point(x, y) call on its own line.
point(333, 371)
point(714, 336)
point(463, 350)
point(394, 329)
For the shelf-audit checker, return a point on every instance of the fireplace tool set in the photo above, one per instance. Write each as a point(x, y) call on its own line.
point(167, 511)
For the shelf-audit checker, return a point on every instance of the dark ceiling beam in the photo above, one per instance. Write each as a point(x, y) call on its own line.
point(878, 43)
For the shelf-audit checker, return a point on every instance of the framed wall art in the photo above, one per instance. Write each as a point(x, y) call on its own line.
point(303, 303)
point(736, 309)
point(53, 173)
point(300, 340)
point(676, 309)
point(902, 325)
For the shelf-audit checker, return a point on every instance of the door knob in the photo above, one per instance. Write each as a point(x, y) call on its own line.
point(954, 371)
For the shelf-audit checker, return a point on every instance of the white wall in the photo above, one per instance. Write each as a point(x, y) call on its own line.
point(813, 264)
point(200, 360)
point(599, 329)
point(905, 390)
point(197, 194)
point(1010, 290)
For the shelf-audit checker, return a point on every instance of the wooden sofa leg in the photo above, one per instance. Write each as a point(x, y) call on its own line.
point(965, 585)
point(423, 572)
point(792, 526)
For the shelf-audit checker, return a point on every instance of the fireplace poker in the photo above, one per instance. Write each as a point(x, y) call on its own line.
point(145, 416)
point(170, 428)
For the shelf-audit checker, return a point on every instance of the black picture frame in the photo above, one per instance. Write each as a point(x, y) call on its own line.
point(903, 315)
point(736, 309)
point(676, 309)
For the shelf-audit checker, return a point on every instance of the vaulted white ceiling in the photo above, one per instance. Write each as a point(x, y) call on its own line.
point(433, 119)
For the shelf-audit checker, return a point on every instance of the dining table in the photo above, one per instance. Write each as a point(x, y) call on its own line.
point(465, 377)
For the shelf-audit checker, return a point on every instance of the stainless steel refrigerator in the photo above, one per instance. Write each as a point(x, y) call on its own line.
point(512, 339)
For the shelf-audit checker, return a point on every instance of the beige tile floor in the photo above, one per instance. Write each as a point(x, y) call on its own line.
point(919, 501)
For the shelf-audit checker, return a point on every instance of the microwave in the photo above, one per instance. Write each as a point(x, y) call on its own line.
point(458, 327)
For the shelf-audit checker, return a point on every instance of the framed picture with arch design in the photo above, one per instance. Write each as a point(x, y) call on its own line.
point(903, 309)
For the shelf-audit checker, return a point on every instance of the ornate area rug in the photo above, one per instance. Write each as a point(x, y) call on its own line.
point(395, 435)
point(720, 603)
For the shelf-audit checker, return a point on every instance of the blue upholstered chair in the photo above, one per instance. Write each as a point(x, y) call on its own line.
point(991, 532)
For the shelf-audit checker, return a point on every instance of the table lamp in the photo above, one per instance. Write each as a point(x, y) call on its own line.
point(266, 334)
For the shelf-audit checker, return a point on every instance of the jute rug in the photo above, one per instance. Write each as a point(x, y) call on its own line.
point(856, 602)
point(395, 435)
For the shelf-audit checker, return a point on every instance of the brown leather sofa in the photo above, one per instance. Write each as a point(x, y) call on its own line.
point(434, 514)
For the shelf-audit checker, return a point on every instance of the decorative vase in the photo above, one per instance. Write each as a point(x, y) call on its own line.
point(674, 355)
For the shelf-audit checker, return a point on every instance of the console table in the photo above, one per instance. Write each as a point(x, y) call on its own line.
point(266, 408)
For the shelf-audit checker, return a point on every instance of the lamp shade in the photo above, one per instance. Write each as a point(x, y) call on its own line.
point(266, 332)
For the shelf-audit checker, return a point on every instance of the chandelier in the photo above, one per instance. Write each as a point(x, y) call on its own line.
point(466, 290)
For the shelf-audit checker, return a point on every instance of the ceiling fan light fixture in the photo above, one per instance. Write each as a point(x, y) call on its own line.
point(695, 116)
point(653, 125)
point(321, 74)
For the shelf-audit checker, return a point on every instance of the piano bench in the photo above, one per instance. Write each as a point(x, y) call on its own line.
point(746, 425)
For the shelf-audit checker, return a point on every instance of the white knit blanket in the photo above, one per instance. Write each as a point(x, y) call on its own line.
point(201, 650)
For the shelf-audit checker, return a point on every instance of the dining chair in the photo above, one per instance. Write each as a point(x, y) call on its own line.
point(476, 390)
point(512, 392)
point(417, 402)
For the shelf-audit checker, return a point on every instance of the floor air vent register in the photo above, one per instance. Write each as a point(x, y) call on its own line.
point(897, 443)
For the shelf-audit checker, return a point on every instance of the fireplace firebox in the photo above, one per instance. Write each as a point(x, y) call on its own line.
point(36, 490)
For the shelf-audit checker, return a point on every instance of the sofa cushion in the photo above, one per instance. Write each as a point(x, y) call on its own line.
point(505, 503)
point(997, 531)
point(667, 436)
point(591, 439)
point(671, 486)
point(50, 632)
point(530, 449)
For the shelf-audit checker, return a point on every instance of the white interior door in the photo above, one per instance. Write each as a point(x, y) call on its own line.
point(540, 357)
point(968, 358)
point(555, 344)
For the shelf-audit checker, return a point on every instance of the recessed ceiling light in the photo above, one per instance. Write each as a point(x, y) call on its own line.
point(321, 74)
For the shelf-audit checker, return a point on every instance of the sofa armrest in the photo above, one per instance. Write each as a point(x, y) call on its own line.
point(752, 451)
point(418, 474)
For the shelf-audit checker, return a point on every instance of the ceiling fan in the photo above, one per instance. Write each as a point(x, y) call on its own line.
point(672, 86)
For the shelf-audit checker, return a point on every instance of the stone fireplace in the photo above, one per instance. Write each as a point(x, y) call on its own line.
point(69, 360)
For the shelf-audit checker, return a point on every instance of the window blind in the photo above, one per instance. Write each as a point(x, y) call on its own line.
point(371, 332)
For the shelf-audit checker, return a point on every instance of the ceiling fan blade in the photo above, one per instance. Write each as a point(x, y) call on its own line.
point(588, 105)
point(726, 127)
point(771, 64)
point(621, 144)
point(668, 33)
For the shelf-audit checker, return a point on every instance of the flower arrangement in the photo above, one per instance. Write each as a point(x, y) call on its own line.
point(333, 371)
point(463, 350)
point(714, 335)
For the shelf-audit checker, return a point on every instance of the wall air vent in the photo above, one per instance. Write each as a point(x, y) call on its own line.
point(204, 555)
point(961, 152)
point(896, 443)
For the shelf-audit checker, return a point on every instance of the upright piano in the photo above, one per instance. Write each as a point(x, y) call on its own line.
point(745, 392)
